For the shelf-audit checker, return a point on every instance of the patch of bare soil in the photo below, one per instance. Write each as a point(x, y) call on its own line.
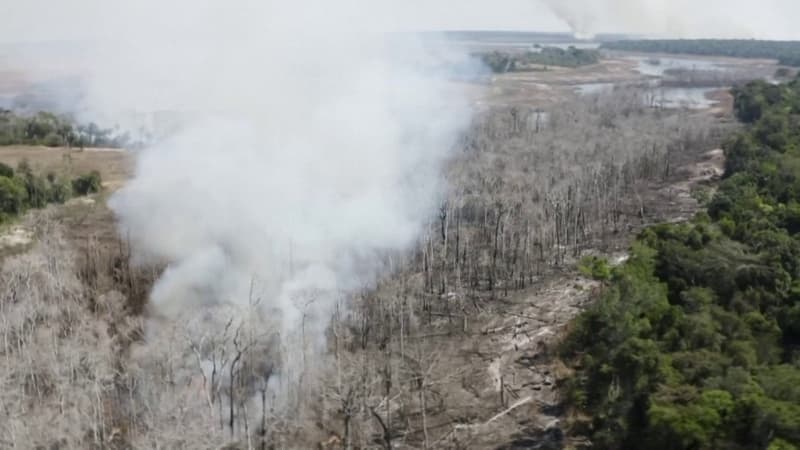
point(15, 239)
point(702, 174)
point(710, 168)
point(508, 392)
point(723, 103)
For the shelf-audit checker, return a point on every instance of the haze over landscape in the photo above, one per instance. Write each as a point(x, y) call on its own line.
point(357, 224)
point(770, 19)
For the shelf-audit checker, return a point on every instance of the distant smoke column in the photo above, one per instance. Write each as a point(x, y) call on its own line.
point(579, 16)
point(656, 18)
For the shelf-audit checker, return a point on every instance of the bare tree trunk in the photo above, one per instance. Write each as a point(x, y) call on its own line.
point(264, 417)
point(444, 219)
point(492, 272)
point(347, 443)
point(423, 412)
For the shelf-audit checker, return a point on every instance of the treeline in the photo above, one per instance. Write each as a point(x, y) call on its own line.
point(786, 52)
point(502, 62)
point(52, 130)
point(22, 189)
point(695, 342)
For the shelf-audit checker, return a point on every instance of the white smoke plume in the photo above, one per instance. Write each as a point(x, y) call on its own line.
point(768, 19)
point(304, 145)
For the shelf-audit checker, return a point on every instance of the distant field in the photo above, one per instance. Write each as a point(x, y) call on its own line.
point(114, 165)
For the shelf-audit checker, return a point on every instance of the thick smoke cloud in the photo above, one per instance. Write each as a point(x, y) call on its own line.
point(768, 19)
point(303, 147)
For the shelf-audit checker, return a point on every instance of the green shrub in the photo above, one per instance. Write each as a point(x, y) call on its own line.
point(53, 140)
point(595, 268)
point(59, 191)
point(6, 171)
point(87, 184)
point(780, 444)
point(12, 196)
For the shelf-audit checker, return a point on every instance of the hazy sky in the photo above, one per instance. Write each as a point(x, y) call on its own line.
point(34, 20)
point(25, 20)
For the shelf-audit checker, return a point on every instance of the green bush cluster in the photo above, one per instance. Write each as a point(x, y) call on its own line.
point(501, 62)
point(695, 342)
point(786, 52)
point(22, 189)
point(595, 268)
point(87, 184)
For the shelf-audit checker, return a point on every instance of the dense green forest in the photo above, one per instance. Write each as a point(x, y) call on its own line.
point(54, 131)
point(786, 52)
point(694, 343)
point(502, 62)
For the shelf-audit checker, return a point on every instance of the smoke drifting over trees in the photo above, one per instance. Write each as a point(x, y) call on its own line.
point(306, 150)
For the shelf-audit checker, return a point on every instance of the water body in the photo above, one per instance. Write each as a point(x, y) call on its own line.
point(692, 98)
point(655, 66)
point(664, 97)
point(593, 88)
point(583, 45)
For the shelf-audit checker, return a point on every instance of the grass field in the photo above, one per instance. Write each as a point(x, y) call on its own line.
point(113, 164)
point(83, 219)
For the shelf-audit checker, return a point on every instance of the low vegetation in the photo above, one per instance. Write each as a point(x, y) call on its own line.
point(502, 62)
point(22, 189)
point(786, 52)
point(87, 184)
point(695, 342)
